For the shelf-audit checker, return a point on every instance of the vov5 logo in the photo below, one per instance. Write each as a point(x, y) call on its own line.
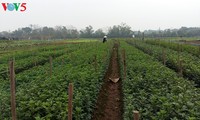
point(14, 6)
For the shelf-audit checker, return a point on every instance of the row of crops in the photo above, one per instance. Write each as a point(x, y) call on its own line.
point(155, 90)
point(26, 59)
point(175, 46)
point(41, 96)
point(9, 45)
point(150, 87)
point(190, 63)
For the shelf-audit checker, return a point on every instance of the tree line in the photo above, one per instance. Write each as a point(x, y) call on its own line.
point(182, 32)
point(117, 31)
point(63, 32)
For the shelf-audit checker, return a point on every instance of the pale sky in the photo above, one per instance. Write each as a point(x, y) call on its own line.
point(139, 14)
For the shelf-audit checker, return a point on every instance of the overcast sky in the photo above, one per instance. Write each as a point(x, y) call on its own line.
point(139, 14)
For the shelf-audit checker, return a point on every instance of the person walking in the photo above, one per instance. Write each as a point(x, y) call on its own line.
point(104, 39)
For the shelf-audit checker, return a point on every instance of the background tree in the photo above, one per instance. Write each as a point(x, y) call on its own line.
point(99, 33)
point(87, 32)
point(118, 31)
point(70, 32)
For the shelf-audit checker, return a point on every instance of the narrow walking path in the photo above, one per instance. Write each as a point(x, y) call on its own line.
point(109, 104)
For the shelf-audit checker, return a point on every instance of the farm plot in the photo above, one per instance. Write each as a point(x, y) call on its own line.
point(144, 84)
point(184, 63)
point(43, 95)
point(26, 59)
point(156, 91)
point(194, 50)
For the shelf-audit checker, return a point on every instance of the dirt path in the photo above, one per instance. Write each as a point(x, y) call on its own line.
point(109, 104)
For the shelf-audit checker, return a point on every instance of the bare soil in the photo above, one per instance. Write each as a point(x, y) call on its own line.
point(109, 104)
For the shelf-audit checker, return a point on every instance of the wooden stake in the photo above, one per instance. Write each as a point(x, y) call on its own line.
point(108, 53)
point(199, 49)
point(124, 61)
point(2, 110)
point(178, 59)
point(180, 68)
point(54, 52)
point(181, 48)
point(124, 64)
point(143, 36)
point(63, 61)
point(122, 55)
point(178, 49)
point(50, 60)
point(12, 88)
point(135, 115)
point(104, 57)
point(164, 57)
point(70, 106)
point(95, 62)
point(35, 63)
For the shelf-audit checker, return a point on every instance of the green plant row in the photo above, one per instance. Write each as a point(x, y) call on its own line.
point(40, 96)
point(21, 54)
point(26, 60)
point(195, 50)
point(190, 64)
point(156, 91)
point(6, 45)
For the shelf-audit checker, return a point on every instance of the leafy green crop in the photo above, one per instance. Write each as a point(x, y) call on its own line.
point(194, 50)
point(28, 59)
point(190, 63)
point(156, 91)
point(40, 96)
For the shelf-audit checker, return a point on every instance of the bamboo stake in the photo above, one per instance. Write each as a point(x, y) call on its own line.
point(63, 61)
point(124, 61)
point(12, 87)
point(199, 49)
point(164, 57)
point(70, 106)
point(50, 60)
point(95, 62)
point(2, 110)
point(135, 115)
point(180, 68)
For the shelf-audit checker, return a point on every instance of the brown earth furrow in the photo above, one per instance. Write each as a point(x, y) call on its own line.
point(109, 104)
